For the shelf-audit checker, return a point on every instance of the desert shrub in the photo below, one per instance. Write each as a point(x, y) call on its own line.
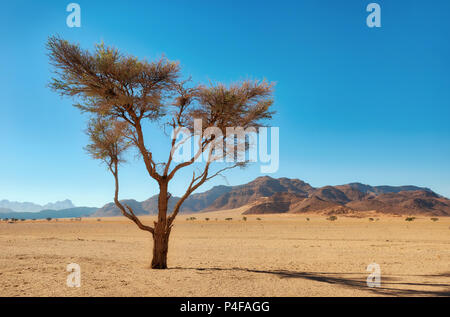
point(371, 219)
point(410, 218)
point(228, 219)
point(22, 219)
point(207, 219)
point(244, 218)
point(434, 219)
point(307, 219)
point(191, 218)
point(258, 219)
point(332, 218)
point(99, 219)
point(48, 219)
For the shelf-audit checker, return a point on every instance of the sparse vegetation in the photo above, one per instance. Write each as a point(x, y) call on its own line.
point(207, 219)
point(371, 219)
point(191, 219)
point(228, 219)
point(307, 219)
point(434, 219)
point(48, 219)
point(410, 218)
point(244, 218)
point(332, 218)
point(258, 219)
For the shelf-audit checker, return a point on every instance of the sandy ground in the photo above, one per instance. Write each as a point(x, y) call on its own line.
point(283, 255)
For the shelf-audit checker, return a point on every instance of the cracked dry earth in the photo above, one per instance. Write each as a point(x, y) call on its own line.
point(279, 255)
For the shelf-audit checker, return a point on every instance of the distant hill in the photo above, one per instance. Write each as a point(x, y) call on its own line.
point(5, 210)
point(284, 195)
point(32, 207)
point(111, 210)
point(64, 213)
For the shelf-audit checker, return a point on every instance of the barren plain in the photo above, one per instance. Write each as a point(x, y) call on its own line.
point(265, 255)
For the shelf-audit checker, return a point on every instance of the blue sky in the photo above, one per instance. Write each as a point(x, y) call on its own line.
point(353, 103)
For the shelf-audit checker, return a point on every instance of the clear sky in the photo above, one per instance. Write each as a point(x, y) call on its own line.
point(353, 103)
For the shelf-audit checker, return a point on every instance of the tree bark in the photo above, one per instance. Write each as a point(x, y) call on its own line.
point(162, 230)
point(160, 249)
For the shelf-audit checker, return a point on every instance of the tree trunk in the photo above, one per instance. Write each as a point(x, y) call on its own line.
point(161, 233)
point(160, 248)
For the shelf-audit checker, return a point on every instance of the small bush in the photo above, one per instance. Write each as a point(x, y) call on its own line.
point(307, 219)
point(207, 219)
point(22, 219)
point(371, 219)
point(99, 219)
point(228, 219)
point(191, 219)
point(244, 218)
point(332, 218)
point(48, 219)
point(258, 219)
point(434, 219)
point(410, 218)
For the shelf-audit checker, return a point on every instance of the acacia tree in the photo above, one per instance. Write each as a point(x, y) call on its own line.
point(122, 93)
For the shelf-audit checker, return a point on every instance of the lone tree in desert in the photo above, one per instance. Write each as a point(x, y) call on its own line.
point(122, 93)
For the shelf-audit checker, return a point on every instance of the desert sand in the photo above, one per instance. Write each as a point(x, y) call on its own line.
point(278, 255)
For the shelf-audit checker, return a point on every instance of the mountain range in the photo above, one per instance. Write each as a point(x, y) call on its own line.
point(9, 206)
point(43, 214)
point(283, 195)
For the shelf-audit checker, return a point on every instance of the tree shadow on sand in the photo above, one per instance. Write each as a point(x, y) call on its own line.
point(389, 285)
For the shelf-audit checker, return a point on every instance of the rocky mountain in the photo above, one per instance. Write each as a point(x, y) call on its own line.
point(270, 195)
point(221, 197)
point(32, 207)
